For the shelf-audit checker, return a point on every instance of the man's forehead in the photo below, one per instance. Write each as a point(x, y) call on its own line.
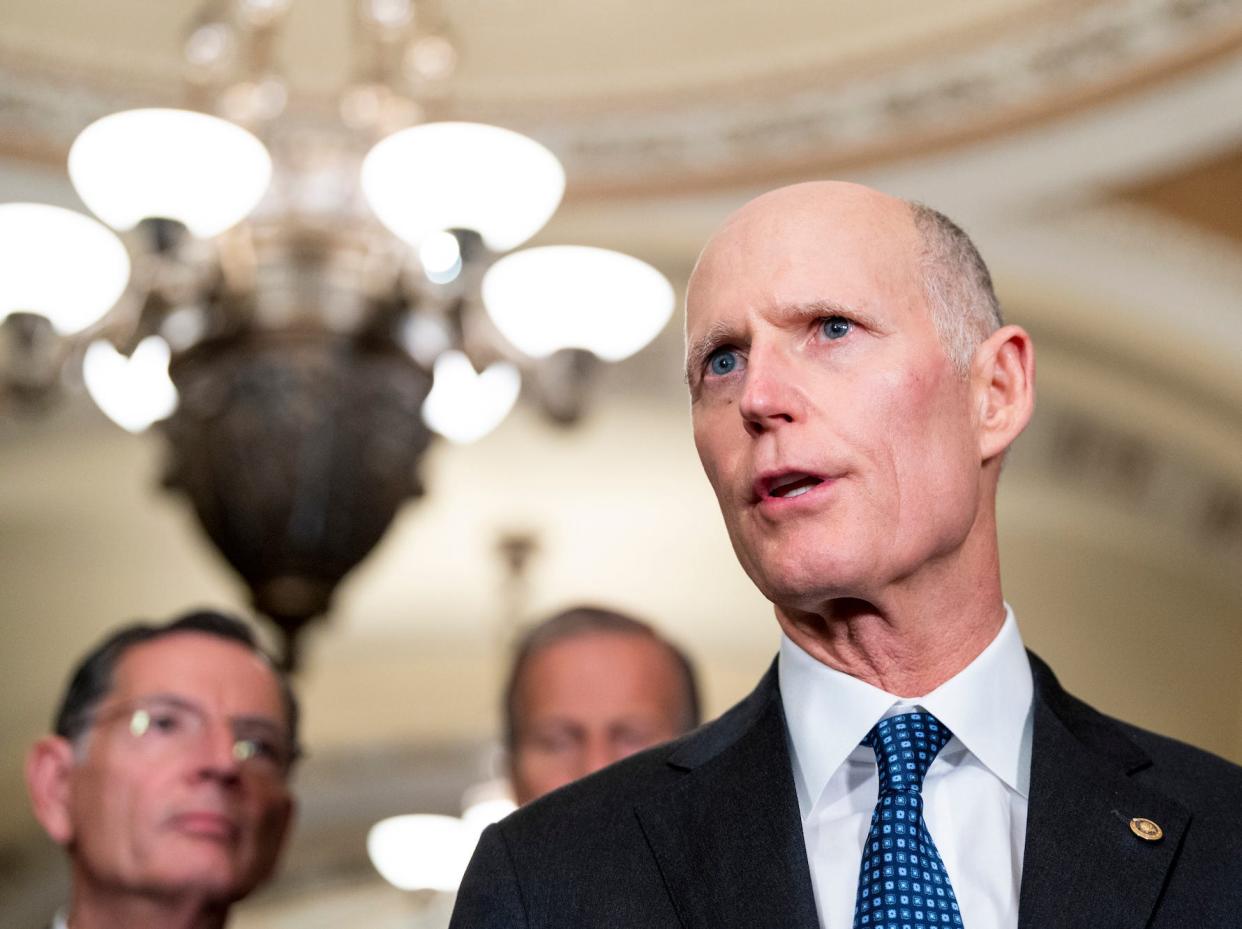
point(605, 645)
point(198, 666)
point(811, 233)
point(818, 207)
point(627, 661)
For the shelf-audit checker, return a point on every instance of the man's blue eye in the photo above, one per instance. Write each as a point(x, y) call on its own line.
point(722, 361)
point(836, 327)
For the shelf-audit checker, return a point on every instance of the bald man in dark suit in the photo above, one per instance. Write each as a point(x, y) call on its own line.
point(905, 762)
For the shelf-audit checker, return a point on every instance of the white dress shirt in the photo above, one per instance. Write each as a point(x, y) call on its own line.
point(974, 795)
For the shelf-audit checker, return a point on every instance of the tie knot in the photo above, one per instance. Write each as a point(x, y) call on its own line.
point(905, 747)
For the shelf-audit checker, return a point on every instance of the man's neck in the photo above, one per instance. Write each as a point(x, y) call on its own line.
point(93, 908)
point(908, 635)
point(910, 638)
point(905, 659)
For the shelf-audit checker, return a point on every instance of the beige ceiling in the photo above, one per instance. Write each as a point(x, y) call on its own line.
point(639, 97)
point(548, 49)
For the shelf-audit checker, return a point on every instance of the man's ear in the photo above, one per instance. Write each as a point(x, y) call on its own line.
point(49, 766)
point(1003, 382)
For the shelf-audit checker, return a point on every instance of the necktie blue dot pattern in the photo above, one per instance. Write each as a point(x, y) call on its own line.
point(902, 883)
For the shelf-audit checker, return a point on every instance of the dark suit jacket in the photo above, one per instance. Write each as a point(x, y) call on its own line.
point(704, 833)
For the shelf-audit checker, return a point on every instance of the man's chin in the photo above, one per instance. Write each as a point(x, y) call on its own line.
point(801, 568)
point(801, 593)
point(198, 889)
point(217, 881)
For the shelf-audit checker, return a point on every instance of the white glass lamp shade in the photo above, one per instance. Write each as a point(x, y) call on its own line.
point(65, 266)
point(133, 392)
point(421, 851)
point(440, 176)
point(487, 810)
point(200, 170)
point(463, 406)
point(574, 296)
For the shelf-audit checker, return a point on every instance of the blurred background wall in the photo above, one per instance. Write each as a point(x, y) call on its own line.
point(1093, 150)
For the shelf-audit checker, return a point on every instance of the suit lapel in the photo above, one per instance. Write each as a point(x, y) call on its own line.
point(1083, 865)
point(728, 836)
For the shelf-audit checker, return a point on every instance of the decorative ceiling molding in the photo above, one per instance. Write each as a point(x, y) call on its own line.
point(1086, 54)
point(42, 109)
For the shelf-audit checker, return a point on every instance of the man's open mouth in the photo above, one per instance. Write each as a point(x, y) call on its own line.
point(794, 484)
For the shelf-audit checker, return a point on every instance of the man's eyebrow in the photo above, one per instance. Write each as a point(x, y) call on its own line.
point(256, 720)
point(698, 350)
point(798, 313)
point(822, 309)
point(169, 699)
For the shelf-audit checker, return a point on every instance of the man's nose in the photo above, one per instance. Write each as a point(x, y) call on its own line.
point(599, 754)
point(217, 754)
point(770, 396)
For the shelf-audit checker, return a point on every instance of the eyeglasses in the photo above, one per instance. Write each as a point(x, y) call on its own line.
point(166, 726)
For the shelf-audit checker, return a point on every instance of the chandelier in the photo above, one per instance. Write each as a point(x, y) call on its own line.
point(301, 304)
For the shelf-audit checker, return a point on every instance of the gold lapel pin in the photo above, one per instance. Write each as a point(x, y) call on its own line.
point(1146, 830)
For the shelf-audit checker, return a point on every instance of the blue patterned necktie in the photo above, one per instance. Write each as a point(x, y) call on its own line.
point(903, 884)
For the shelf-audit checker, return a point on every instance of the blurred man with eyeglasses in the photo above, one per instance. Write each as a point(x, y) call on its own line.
point(167, 777)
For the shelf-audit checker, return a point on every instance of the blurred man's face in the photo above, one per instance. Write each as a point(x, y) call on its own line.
point(164, 799)
point(587, 701)
point(839, 439)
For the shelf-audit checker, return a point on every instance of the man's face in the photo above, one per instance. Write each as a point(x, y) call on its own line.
point(587, 701)
point(199, 820)
point(838, 438)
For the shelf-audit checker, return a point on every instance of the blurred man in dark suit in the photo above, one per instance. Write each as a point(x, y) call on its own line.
point(167, 777)
point(588, 687)
point(904, 763)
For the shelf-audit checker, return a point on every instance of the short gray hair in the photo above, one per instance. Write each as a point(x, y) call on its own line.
point(592, 620)
point(957, 285)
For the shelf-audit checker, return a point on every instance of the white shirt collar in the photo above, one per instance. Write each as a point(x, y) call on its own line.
point(986, 705)
point(61, 919)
